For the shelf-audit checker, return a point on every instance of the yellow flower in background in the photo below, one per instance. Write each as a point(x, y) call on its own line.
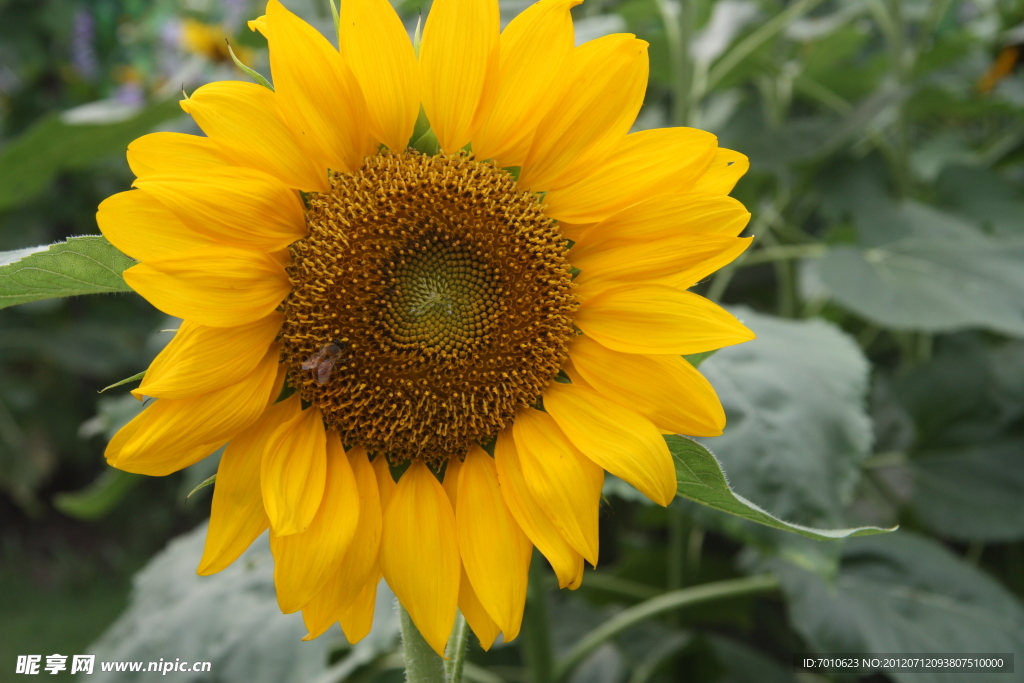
point(423, 306)
point(209, 41)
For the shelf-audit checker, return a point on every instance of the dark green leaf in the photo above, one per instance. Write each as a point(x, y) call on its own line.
point(99, 497)
point(82, 265)
point(29, 162)
point(903, 593)
point(230, 619)
point(797, 429)
point(944, 276)
point(701, 480)
point(974, 492)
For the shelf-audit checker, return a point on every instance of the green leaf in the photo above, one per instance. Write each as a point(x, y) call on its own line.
point(903, 593)
point(58, 142)
point(126, 380)
point(702, 480)
point(962, 448)
point(99, 497)
point(232, 620)
point(974, 492)
point(936, 273)
point(82, 265)
point(797, 430)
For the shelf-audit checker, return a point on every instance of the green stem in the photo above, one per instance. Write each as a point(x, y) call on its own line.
point(536, 639)
point(422, 664)
point(456, 650)
point(675, 567)
point(677, 21)
point(663, 603)
point(756, 39)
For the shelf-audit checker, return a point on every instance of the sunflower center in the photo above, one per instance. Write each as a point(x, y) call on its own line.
point(430, 300)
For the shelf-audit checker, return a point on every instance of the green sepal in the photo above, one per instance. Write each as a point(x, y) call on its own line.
point(138, 375)
point(252, 73)
point(427, 143)
point(695, 359)
point(203, 484)
point(337, 19)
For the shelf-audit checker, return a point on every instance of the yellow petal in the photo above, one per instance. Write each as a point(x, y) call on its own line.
point(661, 218)
point(356, 620)
point(723, 173)
point(451, 481)
point(237, 516)
point(218, 286)
point(566, 562)
point(606, 83)
point(481, 623)
point(238, 206)
point(644, 164)
point(458, 55)
point(200, 359)
point(619, 439)
point(495, 551)
point(655, 319)
point(243, 119)
point(476, 616)
point(349, 594)
point(317, 93)
point(163, 153)
point(305, 562)
point(385, 482)
point(565, 483)
point(680, 261)
point(666, 389)
point(419, 553)
point(294, 470)
point(376, 45)
point(174, 433)
point(535, 46)
point(140, 226)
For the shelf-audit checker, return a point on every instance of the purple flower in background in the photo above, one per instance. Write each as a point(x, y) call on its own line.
point(234, 12)
point(83, 48)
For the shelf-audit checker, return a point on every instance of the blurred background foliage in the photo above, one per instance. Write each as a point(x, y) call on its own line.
point(886, 284)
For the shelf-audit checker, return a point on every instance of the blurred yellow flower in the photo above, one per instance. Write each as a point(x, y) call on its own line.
point(209, 41)
point(423, 305)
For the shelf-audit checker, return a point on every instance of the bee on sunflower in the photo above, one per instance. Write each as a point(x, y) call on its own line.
point(495, 269)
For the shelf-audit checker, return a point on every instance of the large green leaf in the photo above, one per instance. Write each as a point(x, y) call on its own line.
point(701, 480)
point(903, 593)
point(939, 274)
point(82, 265)
point(974, 492)
point(59, 143)
point(230, 619)
point(797, 429)
point(963, 453)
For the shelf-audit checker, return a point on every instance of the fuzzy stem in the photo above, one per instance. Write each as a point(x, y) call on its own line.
point(422, 665)
point(456, 650)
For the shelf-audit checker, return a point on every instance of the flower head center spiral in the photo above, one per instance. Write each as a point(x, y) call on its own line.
point(446, 293)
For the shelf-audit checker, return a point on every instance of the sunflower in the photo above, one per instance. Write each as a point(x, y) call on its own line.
point(423, 359)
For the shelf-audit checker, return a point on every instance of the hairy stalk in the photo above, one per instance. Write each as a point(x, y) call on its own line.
point(456, 650)
point(422, 665)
